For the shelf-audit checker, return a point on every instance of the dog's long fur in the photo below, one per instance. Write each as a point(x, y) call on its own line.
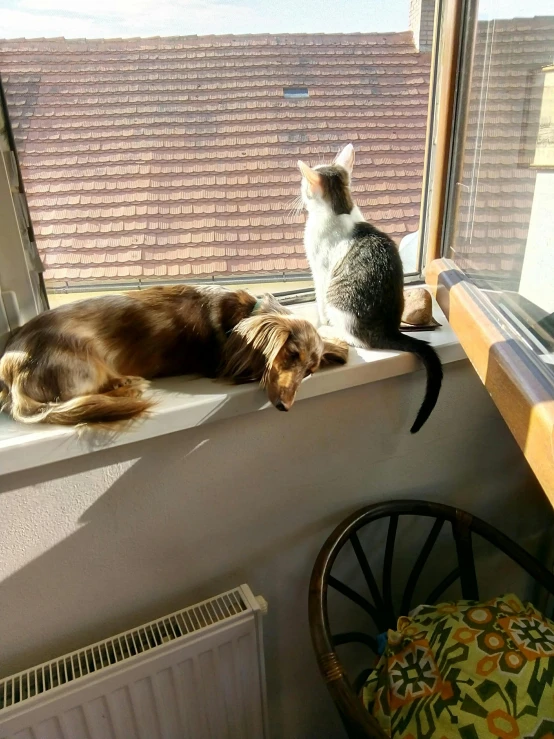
point(279, 351)
point(90, 362)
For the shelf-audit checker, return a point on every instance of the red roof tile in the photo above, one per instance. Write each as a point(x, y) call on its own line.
point(177, 156)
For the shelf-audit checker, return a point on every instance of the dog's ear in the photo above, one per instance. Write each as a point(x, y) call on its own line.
point(266, 333)
point(253, 345)
point(335, 351)
point(255, 338)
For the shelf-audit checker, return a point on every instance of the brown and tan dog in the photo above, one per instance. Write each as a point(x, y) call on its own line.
point(90, 361)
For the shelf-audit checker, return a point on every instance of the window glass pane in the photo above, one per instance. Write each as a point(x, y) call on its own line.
point(169, 156)
point(21, 284)
point(503, 235)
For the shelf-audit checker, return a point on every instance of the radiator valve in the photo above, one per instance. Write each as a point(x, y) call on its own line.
point(262, 602)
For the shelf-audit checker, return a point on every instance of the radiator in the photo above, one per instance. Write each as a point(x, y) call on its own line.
point(194, 674)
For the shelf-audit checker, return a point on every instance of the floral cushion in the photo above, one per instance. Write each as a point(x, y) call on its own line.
point(468, 670)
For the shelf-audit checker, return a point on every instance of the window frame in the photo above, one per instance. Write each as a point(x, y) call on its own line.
point(22, 300)
point(22, 290)
point(376, 367)
point(520, 384)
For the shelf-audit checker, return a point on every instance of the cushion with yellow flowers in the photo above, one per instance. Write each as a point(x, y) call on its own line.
point(467, 670)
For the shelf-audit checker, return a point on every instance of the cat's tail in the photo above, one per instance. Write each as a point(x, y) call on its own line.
point(429, 357)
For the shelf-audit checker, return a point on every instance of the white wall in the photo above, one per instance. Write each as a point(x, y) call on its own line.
point(537, 276)
point(100, 543)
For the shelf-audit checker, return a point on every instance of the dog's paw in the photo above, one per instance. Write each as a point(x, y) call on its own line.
point(130, 386)
point(137, 384)
point(335, 351)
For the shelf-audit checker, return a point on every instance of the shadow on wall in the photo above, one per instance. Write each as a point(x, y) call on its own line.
point(104, 542)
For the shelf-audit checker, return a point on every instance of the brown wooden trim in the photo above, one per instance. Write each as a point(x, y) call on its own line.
point(432, 109)
point(447, 72)
point(520, 386)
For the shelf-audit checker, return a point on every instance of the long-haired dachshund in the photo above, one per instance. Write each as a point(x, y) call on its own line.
point(90, 361)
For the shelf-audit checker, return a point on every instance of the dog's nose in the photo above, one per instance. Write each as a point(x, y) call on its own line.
point(281, 406)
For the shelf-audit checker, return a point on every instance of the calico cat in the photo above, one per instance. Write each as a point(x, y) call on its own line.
point(357, 271)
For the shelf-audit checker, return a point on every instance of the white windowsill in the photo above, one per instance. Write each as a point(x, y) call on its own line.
point(186, 402)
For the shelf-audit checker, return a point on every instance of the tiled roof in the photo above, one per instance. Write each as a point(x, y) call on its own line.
point(176, 157)
point(499, 184)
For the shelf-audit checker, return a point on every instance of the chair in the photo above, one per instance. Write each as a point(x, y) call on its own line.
point(381, 610)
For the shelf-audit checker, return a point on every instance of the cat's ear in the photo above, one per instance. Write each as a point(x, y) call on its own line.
point(311, 176)
point(345, 158)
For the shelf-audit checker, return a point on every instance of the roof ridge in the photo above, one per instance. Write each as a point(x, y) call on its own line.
point(196, 37)
point(221, 38)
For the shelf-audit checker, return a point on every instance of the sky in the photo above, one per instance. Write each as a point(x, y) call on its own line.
point(114, 18)
point(127, 18)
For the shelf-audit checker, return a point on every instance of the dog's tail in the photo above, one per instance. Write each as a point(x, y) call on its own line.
point(98, 408)
point(429, 357)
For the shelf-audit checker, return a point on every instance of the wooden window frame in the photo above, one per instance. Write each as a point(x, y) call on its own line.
point(520, 384)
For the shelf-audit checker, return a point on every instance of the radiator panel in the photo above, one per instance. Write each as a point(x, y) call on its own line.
point(196, 674)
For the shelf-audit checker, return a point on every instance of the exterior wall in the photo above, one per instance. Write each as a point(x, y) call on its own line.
point(422, 22)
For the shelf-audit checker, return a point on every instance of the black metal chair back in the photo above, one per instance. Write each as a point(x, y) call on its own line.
point(378, 602)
